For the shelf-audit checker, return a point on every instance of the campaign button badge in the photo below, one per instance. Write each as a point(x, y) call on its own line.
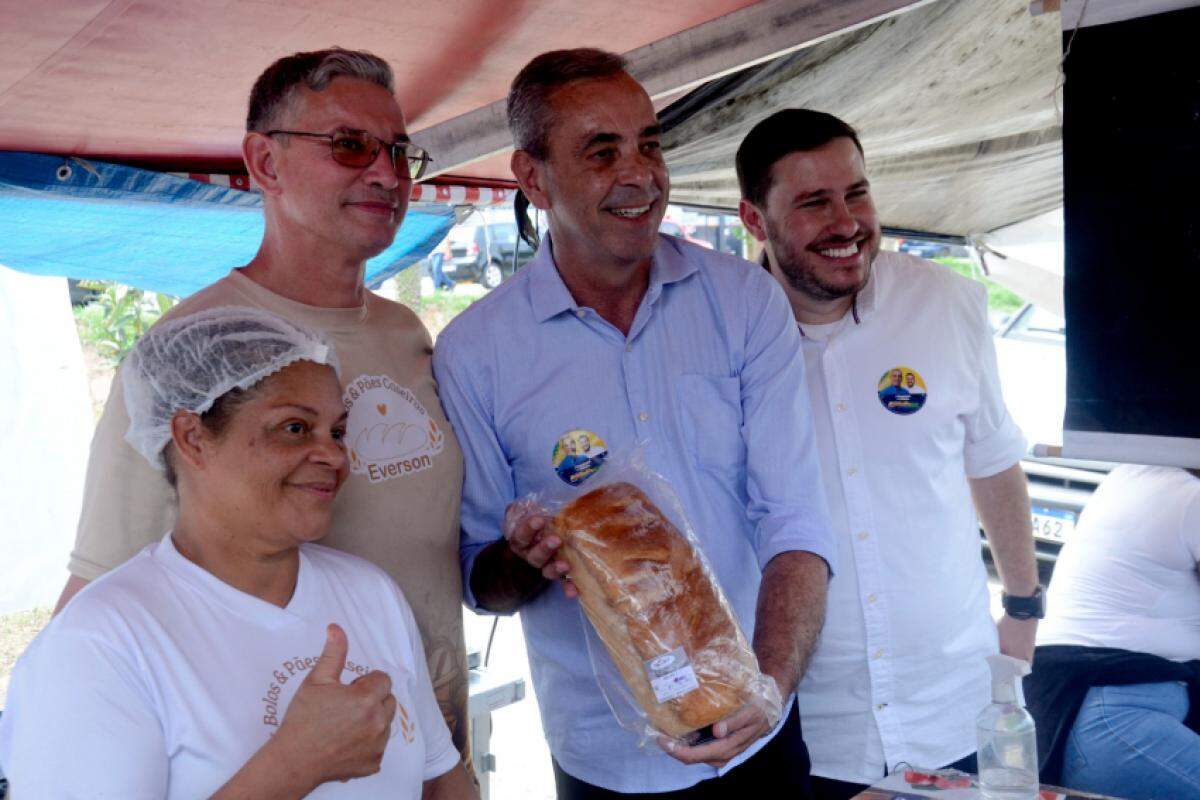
point(578, 455)
point(902, 390)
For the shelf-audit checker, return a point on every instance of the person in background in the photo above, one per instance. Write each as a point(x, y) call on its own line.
point(437, 263)
point(1115, 690)
point(899, 673)
point(327, 145)
point(629, 335)
point(233, 658)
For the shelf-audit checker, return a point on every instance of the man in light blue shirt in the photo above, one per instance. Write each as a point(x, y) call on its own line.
point(694, 352)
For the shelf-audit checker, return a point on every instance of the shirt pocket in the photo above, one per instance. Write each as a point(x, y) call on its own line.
point(710, 415)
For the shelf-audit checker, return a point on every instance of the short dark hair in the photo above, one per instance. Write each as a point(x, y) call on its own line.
point(275, 88)
point(216, 419)
point(529, 112)
point(792, 130)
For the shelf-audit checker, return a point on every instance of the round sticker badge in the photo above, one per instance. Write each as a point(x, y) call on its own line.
point(902, 390)
point(578, 455)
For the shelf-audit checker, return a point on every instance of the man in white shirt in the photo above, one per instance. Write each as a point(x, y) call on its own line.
point(899, 673)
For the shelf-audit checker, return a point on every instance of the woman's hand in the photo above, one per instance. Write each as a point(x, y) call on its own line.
point(331, 731)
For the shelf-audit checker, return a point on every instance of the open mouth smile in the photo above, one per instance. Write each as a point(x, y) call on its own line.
point(846, 251)
point(630, 212)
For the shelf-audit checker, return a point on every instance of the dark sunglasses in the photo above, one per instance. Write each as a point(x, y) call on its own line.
point(359, 149)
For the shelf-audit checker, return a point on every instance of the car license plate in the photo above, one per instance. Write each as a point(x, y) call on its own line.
point(1053, 524)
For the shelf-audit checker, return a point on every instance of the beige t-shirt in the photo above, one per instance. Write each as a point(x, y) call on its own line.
point(399, 507)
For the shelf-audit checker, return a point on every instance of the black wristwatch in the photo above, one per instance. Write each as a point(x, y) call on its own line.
point(1032, 607)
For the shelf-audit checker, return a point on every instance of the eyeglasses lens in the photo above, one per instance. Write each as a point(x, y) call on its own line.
point(418, 161)
point(354, 151)
point(361, 150)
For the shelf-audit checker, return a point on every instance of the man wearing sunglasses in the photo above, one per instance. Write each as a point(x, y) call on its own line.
point(327, 146)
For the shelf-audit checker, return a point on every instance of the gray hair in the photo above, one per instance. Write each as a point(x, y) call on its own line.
point(275, 89)
point(529, 113)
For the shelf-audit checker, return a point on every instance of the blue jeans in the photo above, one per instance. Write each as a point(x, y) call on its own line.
point(440, 279)
point(1130, 741)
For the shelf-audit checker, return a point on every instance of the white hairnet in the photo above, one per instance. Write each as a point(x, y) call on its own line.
point(189, 362)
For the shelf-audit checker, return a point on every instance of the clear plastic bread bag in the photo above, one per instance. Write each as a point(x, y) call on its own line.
point(666, 649)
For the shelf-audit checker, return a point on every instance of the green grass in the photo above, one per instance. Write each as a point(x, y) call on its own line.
point(447, 303)
point(1000, 300)
point(439, 308)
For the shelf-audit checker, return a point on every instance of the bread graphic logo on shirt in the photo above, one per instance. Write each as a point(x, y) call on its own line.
point(407, 728)
point(389, 434)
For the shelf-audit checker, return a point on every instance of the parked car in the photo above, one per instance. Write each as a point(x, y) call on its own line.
point(1031, 354)
point(928, 249)
point(483, 253)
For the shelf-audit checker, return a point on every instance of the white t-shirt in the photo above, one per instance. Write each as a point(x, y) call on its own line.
point(899, 672)
point(1127, 576)
point(161, 681)
point(397, 509)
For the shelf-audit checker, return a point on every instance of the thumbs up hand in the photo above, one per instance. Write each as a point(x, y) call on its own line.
point(332, 730)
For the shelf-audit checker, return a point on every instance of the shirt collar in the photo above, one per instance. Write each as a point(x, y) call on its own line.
point(869, 295)
point(866, 300)
point(550, 296)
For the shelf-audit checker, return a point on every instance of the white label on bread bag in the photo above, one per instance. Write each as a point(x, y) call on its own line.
point(671, 675)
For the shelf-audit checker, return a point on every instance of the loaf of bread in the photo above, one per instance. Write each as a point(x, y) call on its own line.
point(645, 590)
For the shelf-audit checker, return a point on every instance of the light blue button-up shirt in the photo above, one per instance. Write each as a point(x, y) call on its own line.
point(711, 376)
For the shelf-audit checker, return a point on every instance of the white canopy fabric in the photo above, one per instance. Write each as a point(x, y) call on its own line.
point(954, 101)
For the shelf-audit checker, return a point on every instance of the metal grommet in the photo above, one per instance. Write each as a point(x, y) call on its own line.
point(64, 172)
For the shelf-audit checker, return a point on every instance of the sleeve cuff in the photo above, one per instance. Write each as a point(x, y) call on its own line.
point(995, 453)
point(783, 536)
point(447, 759)
point(467, 555)
point(81, 567)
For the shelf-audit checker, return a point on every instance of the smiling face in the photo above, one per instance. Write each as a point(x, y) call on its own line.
point(896, 376)
point(274, 469)
point(603, 183)
point(910, 380)
point(352, 211)
point(822, 230)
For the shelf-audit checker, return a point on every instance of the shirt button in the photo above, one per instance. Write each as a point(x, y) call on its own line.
point(881, 706)
point(629, 348)
point(643, 416)
point(862, 536)
point(852, 471)
point(878, 654)
point(872, 597)
point(841, 406)
point(579, 313)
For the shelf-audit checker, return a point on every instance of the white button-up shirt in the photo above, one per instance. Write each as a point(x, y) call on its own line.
point(899, 673)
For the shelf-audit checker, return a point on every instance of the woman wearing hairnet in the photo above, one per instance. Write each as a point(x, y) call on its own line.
point(234, 658)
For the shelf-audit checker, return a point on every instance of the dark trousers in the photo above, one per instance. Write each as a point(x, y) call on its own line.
point(781, 768)
point(829, 789)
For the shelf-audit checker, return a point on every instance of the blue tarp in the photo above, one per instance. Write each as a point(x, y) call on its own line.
point(88, 219)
